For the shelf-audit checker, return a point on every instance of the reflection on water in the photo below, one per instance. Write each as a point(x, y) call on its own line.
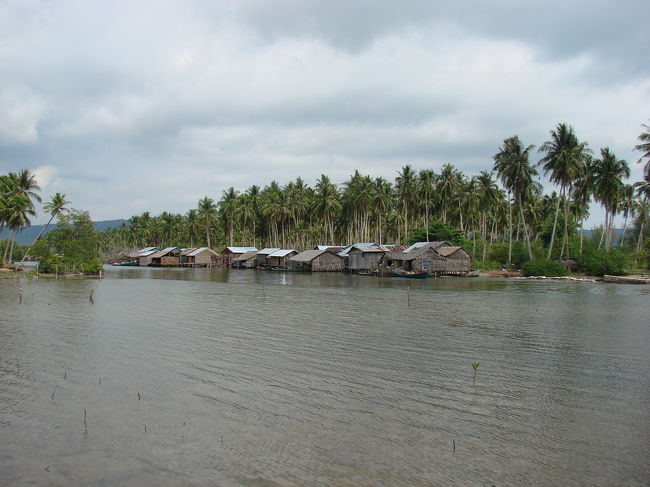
point(210, 377)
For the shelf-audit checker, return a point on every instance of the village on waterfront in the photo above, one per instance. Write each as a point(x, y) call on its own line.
point(419, 260)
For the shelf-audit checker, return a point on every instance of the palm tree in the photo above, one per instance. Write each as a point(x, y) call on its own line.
point(447, 182)
point(643, 192)
point(628, 206)
point(207, 213)
point(227, 208)
point(405, 183)
point(253, 195)
point(426, 180)
point(513, 169)
point(488, 196)
point(608, 175)
point(645, 148)
point(192, 225)
point(56, 206)
point(565, 159)
point(18, 209)
point(326, 204)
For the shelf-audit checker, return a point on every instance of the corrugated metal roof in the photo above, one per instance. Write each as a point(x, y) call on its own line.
point(245, 256)
point(268, 250)
point(346, 250)
point(196, 252)
point(241, 250)
point(419, 245)
point(148, 253)
point(282, 252)
point(147, 249)
point(188, 250)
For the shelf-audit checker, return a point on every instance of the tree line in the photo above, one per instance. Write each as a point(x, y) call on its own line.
point(505, 205)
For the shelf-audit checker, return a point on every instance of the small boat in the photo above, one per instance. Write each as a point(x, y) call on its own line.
point(416, 275)
point(123, 264)
point(410, 274)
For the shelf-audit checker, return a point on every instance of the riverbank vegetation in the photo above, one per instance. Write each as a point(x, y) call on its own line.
point(73, 247)
point(501, 215)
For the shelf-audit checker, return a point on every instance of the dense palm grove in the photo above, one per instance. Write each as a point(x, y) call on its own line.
point(502, 214)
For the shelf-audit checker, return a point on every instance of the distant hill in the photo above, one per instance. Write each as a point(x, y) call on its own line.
point(27, 235)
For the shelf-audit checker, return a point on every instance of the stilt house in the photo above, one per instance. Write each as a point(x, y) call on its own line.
point(317, 261)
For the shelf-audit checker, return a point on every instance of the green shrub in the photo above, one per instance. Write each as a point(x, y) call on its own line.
point(601, 262)
point(543, 267)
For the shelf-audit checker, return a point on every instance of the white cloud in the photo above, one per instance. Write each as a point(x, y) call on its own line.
point(240, 93)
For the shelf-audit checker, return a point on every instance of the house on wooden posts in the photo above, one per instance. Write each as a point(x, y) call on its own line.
point(433, 258)
point(317, 261)
point(230, 253)
point(458, 261)
point(144, 256)
point(280, 256)
point(262, 257)
point(169, 257)
point(133, 256)
point(368, 257)
point(201, 257)
point(332, 248)
point(245, 260)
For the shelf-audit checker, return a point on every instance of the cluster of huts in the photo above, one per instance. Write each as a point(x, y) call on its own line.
point(435, 258)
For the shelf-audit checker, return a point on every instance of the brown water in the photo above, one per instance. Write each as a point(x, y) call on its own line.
point(204, 377)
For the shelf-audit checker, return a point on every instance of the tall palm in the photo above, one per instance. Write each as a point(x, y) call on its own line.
point(405, 183)
point(227, 209)
point(426, 181)
point(515, 172)
point(448, 181)
point(628, 206)
point(488, 195)
point(207, 213)
point(192, 225)
point(644, 147)
point(565, 159)
point(326, 204)
point(253, 195)
point(18, 210)
point(608, 175)
point(56, 206)
point(642, 189)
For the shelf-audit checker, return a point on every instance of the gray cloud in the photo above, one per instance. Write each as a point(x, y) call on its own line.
point(135, 106)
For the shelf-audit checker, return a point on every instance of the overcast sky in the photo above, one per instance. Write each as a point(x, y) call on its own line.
point(129, 106)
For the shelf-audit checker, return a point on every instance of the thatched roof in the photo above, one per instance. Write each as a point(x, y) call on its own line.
point(200, 250)
point(309, 255)
point(245, 256)
point(448, 251)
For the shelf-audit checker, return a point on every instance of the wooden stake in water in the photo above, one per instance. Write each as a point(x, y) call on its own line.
point(20, 295)
point(475, 367)
point(92, 296)
point(408, 296)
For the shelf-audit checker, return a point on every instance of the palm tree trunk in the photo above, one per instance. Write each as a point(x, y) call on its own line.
point(624, 228)
point(557, 211)
point(639, 242)
point(509, 232)
point(602, 235)
point(521, 215)
point(37, 237)
point(9, 240)
point(566, 228)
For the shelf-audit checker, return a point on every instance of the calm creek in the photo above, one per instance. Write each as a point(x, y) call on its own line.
point(250, 378)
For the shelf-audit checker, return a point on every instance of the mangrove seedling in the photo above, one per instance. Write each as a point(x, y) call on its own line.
point(475, 367)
